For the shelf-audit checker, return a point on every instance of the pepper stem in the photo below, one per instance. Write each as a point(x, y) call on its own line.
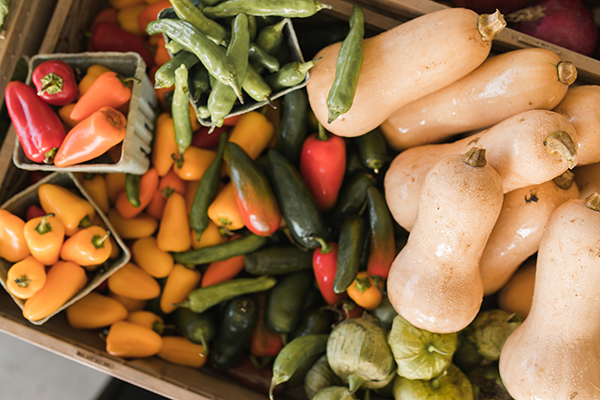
point(98, 241)
point(528, 14)
point(85, 222)
point(51, 84)
point(23, 281)
point(43, 226)
point(561, 144)
point(49, 155)
point(325, 247)
point(322, 136)
point(362, 284)
point(593, 201)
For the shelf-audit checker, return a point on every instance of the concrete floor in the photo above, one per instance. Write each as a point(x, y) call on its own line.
point(28, 372)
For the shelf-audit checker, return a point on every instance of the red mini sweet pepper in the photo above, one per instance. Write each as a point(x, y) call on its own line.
point(324, 268)
point(39, 129)
point(322, 165)
point(55, 82)
point(109, 37)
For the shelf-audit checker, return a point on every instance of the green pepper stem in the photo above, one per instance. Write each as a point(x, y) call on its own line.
point(43, 226)
point(363, 284)
point(98, 241)
point(322, 135)
point(85, 222)
point(49, 155)
point(23, 281)
point(51, 84)
point(325, 247)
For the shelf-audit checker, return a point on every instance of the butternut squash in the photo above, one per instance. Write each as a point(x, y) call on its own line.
point(434, 282)
point(529, 148)
point(504, 85)
point(555, 353)
point(517, 294)
point(518, 230)
point(587, 178)
point(402, 64)
point(580, 106)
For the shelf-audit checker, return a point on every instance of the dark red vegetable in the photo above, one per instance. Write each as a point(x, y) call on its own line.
point(489, 6)
point(322, 165)
point(108, 37)
point(325, 268)
point(55, 82)
point(566, 23)
point(264, 343)
point(39, 129)
point(206, 140)
point(251, 376)
point(34, 211)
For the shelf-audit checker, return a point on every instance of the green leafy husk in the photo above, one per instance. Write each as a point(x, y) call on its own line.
point(489, 331)
point(452, 384)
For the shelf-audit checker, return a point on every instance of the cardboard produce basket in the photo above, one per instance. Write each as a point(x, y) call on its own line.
point(19, 204)
point(135, 148)
point(151, 373)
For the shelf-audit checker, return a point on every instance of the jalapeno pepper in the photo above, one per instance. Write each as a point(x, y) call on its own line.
point(322, 165)
point(55, 82)
point(382, 242)
point(39, 129)
point(347, 69)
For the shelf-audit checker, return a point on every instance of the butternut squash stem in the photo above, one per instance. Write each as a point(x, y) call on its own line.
point(475, 157)
point(528, 14)
point(564, 180)
point(490, 25)
point(561, 144)
point(567, 72)
point(593, 201)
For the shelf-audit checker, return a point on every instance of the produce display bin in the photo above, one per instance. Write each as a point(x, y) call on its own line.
point(151, 373)
point(135, 148)
point(18, 205)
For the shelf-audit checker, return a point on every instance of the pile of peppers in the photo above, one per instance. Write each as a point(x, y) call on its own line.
point(64, 121)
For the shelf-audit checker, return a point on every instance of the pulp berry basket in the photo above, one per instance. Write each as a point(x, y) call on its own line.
point(135, 148)
point(18, 205)
point(295, 54)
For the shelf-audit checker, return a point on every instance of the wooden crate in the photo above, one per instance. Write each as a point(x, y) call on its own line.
point(151, 373)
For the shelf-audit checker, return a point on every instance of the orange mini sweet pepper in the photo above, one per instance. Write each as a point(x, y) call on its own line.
point(95, 311)
point(211, 236)
point(63, 281)
point(95, 186)
point(115, 184)
point(130, 304)
point(72, 210)
point(253, 132)
point(44, 236)
point(108, 90)
point(92, 137)
point(148, 185)
point(127, 19)
point(365, 292)
point(13, 246)
point(92, 73)
point(89, 246)
point(147, 319)
point(140, 226)
point(164, 147)
point(195, 162)
point(180, 282)
point(25, 278)
point(128, 340)
point(224, 211)
point(133, 282)
point(180, 350)
point(149, 257)
point(173, 231)
point(64, 113)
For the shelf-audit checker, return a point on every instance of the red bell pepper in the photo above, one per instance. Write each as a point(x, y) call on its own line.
point(39, 129)
point(322, 165)
point(55, 82)
point(108, 90)
point(92, 137)
point(109, 37)
point(324, 268)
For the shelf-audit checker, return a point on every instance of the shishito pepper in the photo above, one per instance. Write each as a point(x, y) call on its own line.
point(72, 210)
point(39, 129)
point(108, 90)
point(92, 137)
point(13, 246)
point(44, 237)
point(63, 281)
point(89, 246)
point(55, 82)
point(25, 278)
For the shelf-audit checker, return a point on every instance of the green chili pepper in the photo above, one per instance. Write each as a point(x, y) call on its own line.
point(218, 252)
point(347, 69)
point(291, 74)
point(256, 86)
point(220, 103)
point(200, 81)
point(252, 27)
point(207, 190)
point(206, 3)
point(186, 11)
point(180, 109)
point(352, 234)
point(239, 46)
point(202, 112)
point(372, 149)
point(281, 8)
point(270, 37)
point(174, 47)
point(165, 75)
point(132, 189)
point(218, 64)
point(263, 59)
